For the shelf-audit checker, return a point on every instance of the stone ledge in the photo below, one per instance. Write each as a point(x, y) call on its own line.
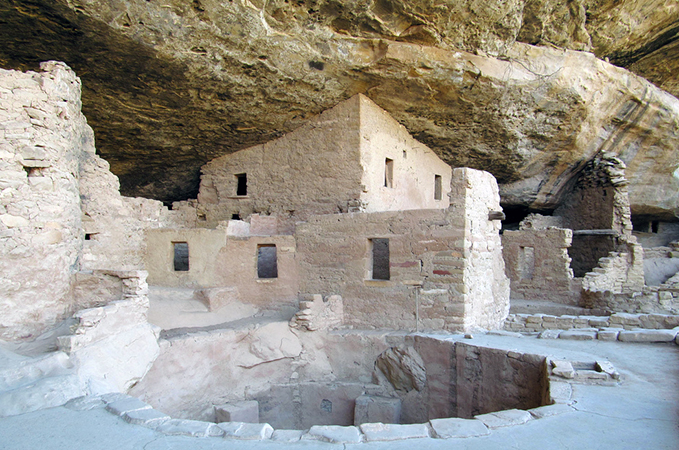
point(457, 428)
point(393, 432)
point(505, 418)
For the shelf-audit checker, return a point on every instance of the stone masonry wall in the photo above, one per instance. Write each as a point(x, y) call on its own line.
point(538, 265)
point(314, 169)
point(446, 266)
point(474, 195)
point(42, 134)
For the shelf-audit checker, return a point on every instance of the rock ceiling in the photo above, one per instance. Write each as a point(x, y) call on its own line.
point(521, 88)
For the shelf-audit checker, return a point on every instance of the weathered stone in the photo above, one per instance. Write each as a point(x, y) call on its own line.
point(189, 428)
point(146, 417)
point(129, 404)
point(504, 418)
point(550, 410)
point(578, 335)
point(641, 335)
point(393, 432)
point(560, 392)
point(403, 367)
point(458, 428)
point(372, 409)
point(334, 434)
point(563, 369)
point(287, 435)
point(549, 334)
point(609, 334)
point(246, 431)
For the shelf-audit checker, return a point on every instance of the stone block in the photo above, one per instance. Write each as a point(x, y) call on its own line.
point(194, 428)
point(458, 428)
point(641, 335)
point(560, 391)
point(372, 408)
point(245, 411)
point(504, 333)
point(287, 435)
point(146, 417)
point(609, 334)
point(334, 434)
point(598, 322)
point(550, 410)
point(607, 368)
point(504, 418)
point(246, 431)
point(393, 432)
point(563, 369)
point(578, 335)
point(120, 407)
point(549, 334)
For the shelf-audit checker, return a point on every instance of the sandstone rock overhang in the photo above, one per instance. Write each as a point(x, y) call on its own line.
point(168, 87)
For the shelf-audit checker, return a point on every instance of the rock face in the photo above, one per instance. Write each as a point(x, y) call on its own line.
point(171, 85)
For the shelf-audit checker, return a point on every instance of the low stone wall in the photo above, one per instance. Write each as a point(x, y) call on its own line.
point(540, 322)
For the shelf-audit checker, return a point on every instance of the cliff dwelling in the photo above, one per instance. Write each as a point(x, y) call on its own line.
point(453, 244)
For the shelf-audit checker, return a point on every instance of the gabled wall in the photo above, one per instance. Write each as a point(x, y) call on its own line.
point(312, 170)
point(414, 165)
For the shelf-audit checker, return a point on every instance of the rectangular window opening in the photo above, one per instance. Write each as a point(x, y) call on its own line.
point(655, 224)
point(437, 187)
point(267, 261)
point(388, 173)
point(242, 184)
point(181, 256)
point(380, 258)
point(527, 263)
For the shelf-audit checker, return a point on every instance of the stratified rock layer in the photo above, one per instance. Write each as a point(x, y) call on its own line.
point(171, 85)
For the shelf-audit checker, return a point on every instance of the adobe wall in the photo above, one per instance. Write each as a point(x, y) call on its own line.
point(218, 259)
point(312, 169)
point(538, 265)
point(414, 165)
point(42, 134)
point(447, 271)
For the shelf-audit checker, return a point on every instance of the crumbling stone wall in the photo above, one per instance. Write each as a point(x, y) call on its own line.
point(42, 134)
point(599, 201)
point(446, 269)
point(538, 264)
point(60, 210)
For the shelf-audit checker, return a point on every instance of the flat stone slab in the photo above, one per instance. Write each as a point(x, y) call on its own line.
point(578, 335)
point(506, 418)
point(246, 430)
point(609, 334)
point(147, 417)
point(334, 434)
point(458, 428)
point(644, 335)
point(245, 411)
point(563, 368)
point(120, 407)
point(184, 427)
point(287, 435)
point(393, 432)
point(550, 410)
point(85, 403)
point(549, 334)
point(504, 333)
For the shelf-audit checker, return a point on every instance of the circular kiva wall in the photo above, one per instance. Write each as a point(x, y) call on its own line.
point(300, 379)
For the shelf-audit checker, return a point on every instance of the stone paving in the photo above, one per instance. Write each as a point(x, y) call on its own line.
point(636, 411)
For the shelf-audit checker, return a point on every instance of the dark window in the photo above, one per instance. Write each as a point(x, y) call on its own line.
point(437, 187)
point(527, 263)
point(388, 173)
point(654, 226)
point(242, 184)
point(235, 216)
point(267, 261)
point(181, 256)
point(380, 259)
